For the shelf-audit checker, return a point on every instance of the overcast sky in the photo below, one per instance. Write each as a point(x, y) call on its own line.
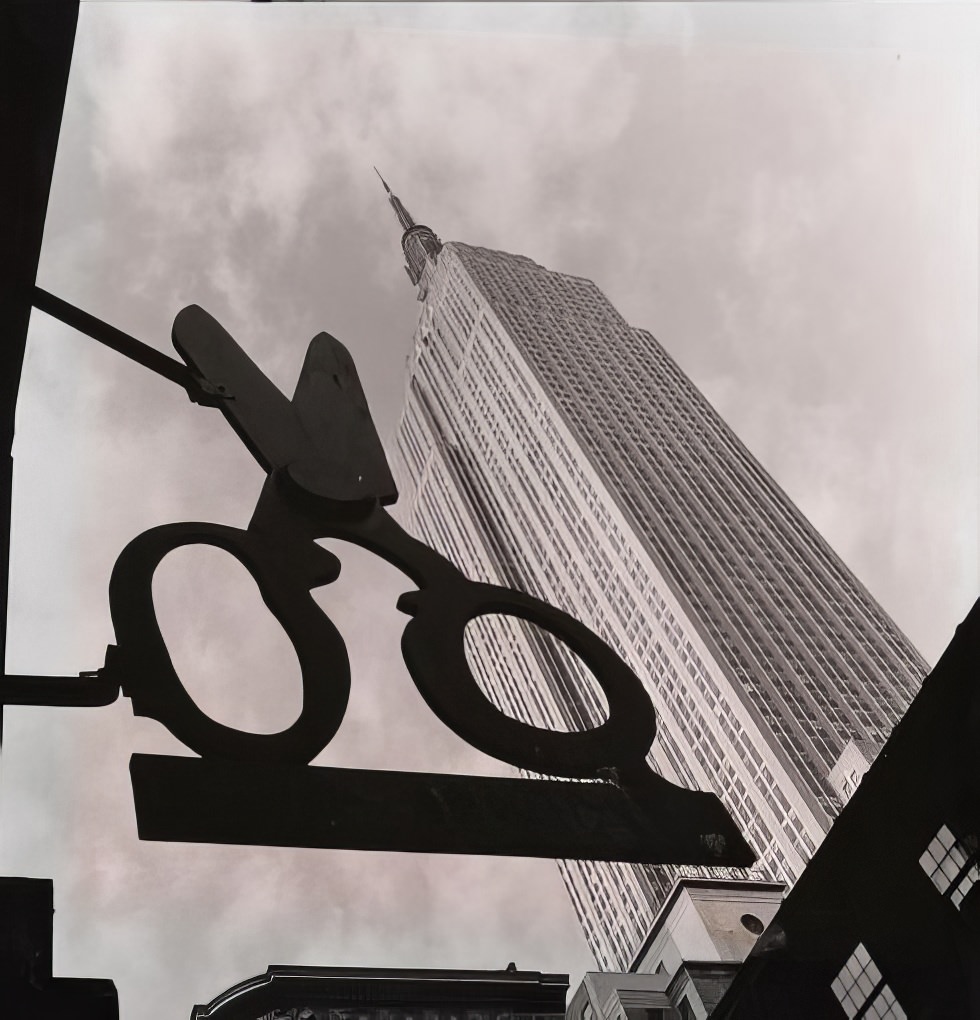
point(785, 195)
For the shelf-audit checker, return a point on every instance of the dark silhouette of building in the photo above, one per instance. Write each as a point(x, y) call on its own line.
point(36, 38)
point(885, 921)
point(27, 989)
point(357, 993)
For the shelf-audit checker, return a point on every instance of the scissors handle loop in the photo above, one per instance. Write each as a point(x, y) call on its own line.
point(433, 646)
point(284, 575)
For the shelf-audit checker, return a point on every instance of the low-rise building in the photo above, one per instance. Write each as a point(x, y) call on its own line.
point(361, 993)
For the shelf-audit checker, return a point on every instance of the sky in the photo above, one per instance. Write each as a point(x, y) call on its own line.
point(785, 195)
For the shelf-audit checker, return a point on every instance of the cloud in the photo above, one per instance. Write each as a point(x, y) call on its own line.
point(788, 219)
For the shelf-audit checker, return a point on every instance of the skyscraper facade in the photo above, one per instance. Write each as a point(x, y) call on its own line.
point(547, 445)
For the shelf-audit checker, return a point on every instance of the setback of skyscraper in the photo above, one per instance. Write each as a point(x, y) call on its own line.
point(547, 445)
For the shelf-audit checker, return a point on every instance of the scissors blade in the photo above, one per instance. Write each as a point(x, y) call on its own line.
point(332, 408)
point(256, 409)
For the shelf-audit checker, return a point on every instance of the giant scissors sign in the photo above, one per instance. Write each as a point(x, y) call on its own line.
point(328, 478)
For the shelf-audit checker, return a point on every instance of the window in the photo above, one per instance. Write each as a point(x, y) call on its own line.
point(862, 991)
point(686, 1010)
point(952, 864)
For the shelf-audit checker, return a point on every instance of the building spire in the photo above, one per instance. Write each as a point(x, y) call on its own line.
point(419, 242)
point(404, 216)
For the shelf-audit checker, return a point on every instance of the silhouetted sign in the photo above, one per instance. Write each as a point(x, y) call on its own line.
point(328, 478)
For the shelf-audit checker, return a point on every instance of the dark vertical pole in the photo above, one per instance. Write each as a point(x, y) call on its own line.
point(36, 38)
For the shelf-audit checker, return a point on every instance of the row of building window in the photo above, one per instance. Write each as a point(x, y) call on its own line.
point(483, 371)
point(862, 992)
point(590, 307)
point(470, 374)
point(623, 944)
point(740, 466)
point(623, 608)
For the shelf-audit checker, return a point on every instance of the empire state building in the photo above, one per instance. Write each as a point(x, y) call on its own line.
point(547, 445)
